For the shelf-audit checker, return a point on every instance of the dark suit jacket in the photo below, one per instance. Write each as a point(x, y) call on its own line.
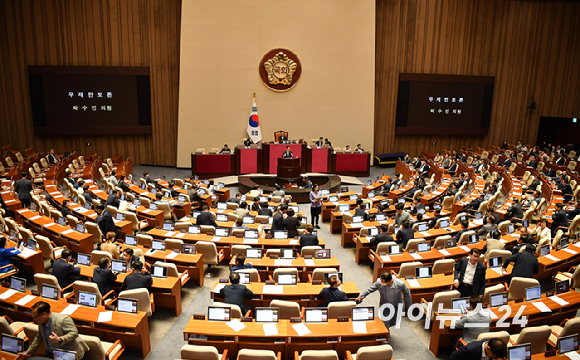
point(88, 198)
point(51, 159)
point(137, 281)
point(106, 223)
point(287, 154)
point(361, 212)
point(471, 351)
point(453, 168)
point(64, 272)
point(507, 163)
point(425, 168)
point(255, 207)
point(404, 235)
point(478, 277)
point(308, 240)
point(515, 211)
point(572, 213)
point(112, 200)
point(383, 237)
point(104, 278)
point(206, 218)
point(291, 224)
point(561, 161)
point(23, 187)
point(525, 264)
point(235, 294)
point(277, 221)
point(559, 219)
point(265, 211)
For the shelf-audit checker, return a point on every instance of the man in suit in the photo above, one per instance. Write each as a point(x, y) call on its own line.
point(55, 331)
point(401, 215)
point(23, 187)
point(113, 199)
point(206, 218)
point(287, 154)
point(308, 238)
point(559, 218)
point(571, 214)
point(103, 276)
point(64, 271)
point(488, 227)
point(507, 162)
point(65, 211)
point(549, 172)
point(278, 191)
point(496, 219)
point(148, 180)
point(333, 293)
point(105, 220)
point(51, 157)
point(464, 228)
point(225, 150)
point(493, 349)
point(256, 204)
point(437, 215)
point(282, 138)
point(405, 234)
point(265, 210)
point(525, 263)
point(474, 204)
point(424, 169)
point(381, 237)
point(515, 211)
point(359, 148)
point(417, 163)
point(241, 263)
point(320, 142)
point(561, 161)
point(327, 142)
point(532, 162)
point(137, 278)
point(235, 293)
point(129, 256)
point(86, 195)
point(248, 142)
point(446, 161)
point(236, 199)
point(242, 210)
point(470, 275)
point(452, 168)
point(306, 182)
point(360, 211)
point(278, 219)
point(391, 291)
point(566, 190)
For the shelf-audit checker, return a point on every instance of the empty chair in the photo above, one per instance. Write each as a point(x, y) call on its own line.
point(288, 309)
point(40, 279)
point(136, 225)
point(72, 221)
point(536, 335)
point(254, 274)
point(14, 328)
point(251, 354)
point(182, 226)
point(503, 335)
point(90, 287)
point(166, 208)
point(238, 232)
point(48, 249)
point(439, 241)
point(239, 249)
point(146, 303)
point(382, 352)
point(210, 254)
point(284, 271)
point(573, 275)
point(338, 309)
point(172, 271)
point(236, 312)
point(272, 252)
point(494, 289)
point(443, 266)
point(316, 355)
point(102, 350)
point(413, 244)
point(206, 229)
point(145, 240)
point(566, 328)
point(173, 244)
point(198, 352)
point(408, 269)
point(444, 298)
point(518, 285)
point(309, 250)
point(95, 231)
point(318, 273)
point(438, 222)
point(96, 255)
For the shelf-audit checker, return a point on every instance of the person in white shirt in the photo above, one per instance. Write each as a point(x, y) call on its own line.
point(542, 231)
point(113, 179)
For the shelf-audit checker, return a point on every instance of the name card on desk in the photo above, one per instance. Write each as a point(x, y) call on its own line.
point(444, 252)
point(105, 316)
point(283, 262)
point(385, 258)
point(414, 283)
point(67, 231)
point(250, 241)
point(171, 255)
point(552, 257)
point(181, 235)
point(25, 300)
point(424, 233)
point(216, 239)
point(359, 225)
point(147, 211)
point(359, 327)
point(464, 248)
point(415, 256)
point(541, 306)
point(273, 289)
point(309, 262)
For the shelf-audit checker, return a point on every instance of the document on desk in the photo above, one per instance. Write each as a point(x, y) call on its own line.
point(503, 241)
point(283, 262)
point(171, 255)
point(218, 288)
point(10, 202)
point(25, 300)
point(150, 252)
point(424, 233)
point(552, 257)
point(236, 325)
point(309, 262)
point(35, 217)
point(105, 316)
point(8, 293)
point(558, 300)
point(301, 329)
point(26, 253)
point(385, 258)
point(573, 355)
point(359, 327)
point(499, 270)
point(273, 289)
point(70, 309)
point(464, 248)
point(147, 211)
point(356, 226)
point(169, 234)
point(250, 241)
point(478, 222)
point(444, 252)
point(541, 306)
point(414, 283)
point(570, 251)
point(49, 225)
point(67, 231)
point(293, 242)
point(216, 239)
point(180, 235)
point(416, 256)
point(270, 329)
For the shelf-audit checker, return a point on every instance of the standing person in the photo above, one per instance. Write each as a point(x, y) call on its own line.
point(470, 275)
point(308, 239)
point(6, 254)
point(65, 272)
point(278, 218)
point(23, 187)
point(315, 206)
point(391, 290)
point(288, 153)
point(291, 224)
point(525, 263)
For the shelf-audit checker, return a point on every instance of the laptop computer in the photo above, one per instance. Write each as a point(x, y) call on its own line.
point(251, 234)
point(12, 344)
point(544, 250)
point(562, 287)
point(193, 229)
point(287, 279)
point(248, 219)
point(533, 293)
point(49, 292)
point(394, 249)
point(568, 344)
point(494, 262)
point(423, 227)
point(322, 254)
point(18, 284)
point(520, 352)
point(80, 228)
point(287, 253)
point(159, 271)
point(158, 245)
point(87, 299)
point(280, 234)
point(130, 306)
point(31, 244)
point(119, 266)
point(130, 240)
point(84, 259)
point(315, 315)
point(423, 247)
point(472, 239)
point(153, 206)
point(167, 226)
point(498, 299)
point(363, 313)
point(373, 231)
point(189, 249)
point(266, 314)
point(252, 253)
point(221, 218)
point(222, 232)
point(424, 272)
point(215, 313)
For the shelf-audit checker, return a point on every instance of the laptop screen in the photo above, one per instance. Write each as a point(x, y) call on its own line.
point(248, 219)
point(18, 284)
point(119, 266)
point(533, 293)
point(362, 313)
point(251, 234)
point(130, 240)
point(244, 278)
point(168, 226)
point(80, 228)
point(394, 249)
point(188, 249)
point(333, 198)
point(265, 314)
point(253, 253)
point(158, 271)
point(280, 234)
point(287, 279)
point(370, 194)
point(423, 272)
point(222, 232)
point(344, 208)
point(84, 259)
point(218, 313)
point(329, 275)
point(222, 206)
point(87, 299)
point(49, 292)
point(158, 245)
point(288, 254)
point(422, 227)
point(520, 352)
point(473, 239)
point(380, 217)
point(325, 191)
point(31, 244)
point(13, 236)
point(12, 344)
point(153, 206)
point(423, 246)
point(59, 354)
point(120, 216)
point(357, 219)
point(221, 218)
point(182, 198)
point(444, 223)
point(194, 229)
point(494, 262)
point(322, 254)
point(562, 286)
point(464, 301)
point(449, 243)
point(568, 344)
point(128, 305)
point(498, 299)
point(544, 250)
point(564, 241)
point(315, 315)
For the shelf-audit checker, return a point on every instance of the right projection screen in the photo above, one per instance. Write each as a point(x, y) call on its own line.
point(434, 104)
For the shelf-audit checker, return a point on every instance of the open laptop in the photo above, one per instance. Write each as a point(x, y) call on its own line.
point(287, 253)
point(215, 313)
point(158, 271)
point(252, 253)
point(84, 259)
point(222, 232)
point(562, 287)
point(31, 244)
point(119, 266)
point(188, 249)
point(87, 299)
point(424, 272)
point(130, 240)
point(120, 216)
point(266, 314)
point(153, 206)
point(329, 275)
point(60, 354)
point(244, 277)
point(394, 249)
point(193, 229)
point(322, 254)
point(130, 306)
point(423, 247)
point(248, 220)
point(158, 245)
point(455, 304)
point(80, 228)
point(498, 299)
point(18, 284)
point(423, 227)
point(333, 198)
point(568, 344)
point(373, 231)
point(494, 262)
point(251, 234)
point(472, 239)
point(520, 352)
point(544, 250)
point(280, 234)
point(167, 226)
point(444, 223)
point(344, 208)
point(363, 313)
point(221, 218)
point(12, 344)
point(533, 293)
point(287, 279)
point(49, 292)
point(315, 315)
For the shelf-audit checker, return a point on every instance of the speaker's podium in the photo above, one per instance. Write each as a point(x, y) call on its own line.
point(288, 169)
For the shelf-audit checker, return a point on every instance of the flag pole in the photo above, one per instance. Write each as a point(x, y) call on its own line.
point(254, 96)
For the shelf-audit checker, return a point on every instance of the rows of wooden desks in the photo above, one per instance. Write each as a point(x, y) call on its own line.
point(131, 329)
point(285, 337)
point(441, 331)
point(266, 266)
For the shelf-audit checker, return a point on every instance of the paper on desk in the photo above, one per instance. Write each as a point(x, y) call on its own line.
point(70, 309)
point(503, 241)
point(218, 288)
point(573, 355)
point(169, 234)
point(385, 258)
point(21, 210)
point(464, 248)
point(570, 251)
point(171, 255)
point(25, 300)
point(283, 262)
point(35, 217)
point(478, 222)
point(359, 327)
point(150, 252)
point(301, 329)
point(444, 252)
point(273, 289)
point(236, 325)
point(270, 329)
point(180, 235)
point(414, 283)
point(105, 316)
point(147, 211)
point(250, 241)
point(358, 225)
point(67, 231)
point(293, 242)
point(424, 233)
point(26, 253)
point(558, 300)
point(10, 202)
point(416, 256)
point(49, 225)
point(8, 293)
point(499, 270)
point(309, 262)
point(541, 306)
point(516, 235)
point(216, 239)
point(552, 257)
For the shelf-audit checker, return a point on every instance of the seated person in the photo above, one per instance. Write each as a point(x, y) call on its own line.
point(137, 278)
point(278, 191)
point(327, 142)
point(148, 180)
point(110, 247)
point(240, 225)
point(464, 228)
point(308, 238)
point(65, 211)
point(265, 210)
point(359, 148)
point(287, 154)
point(256, 191)
point(436, 216)
point(225, 150)
point(381, 237)
point(241, 263)
point(488, 227)
point(235, 293)
point(64, 271)
point(405, 234)
point(256, 204)
point(103, 276)
point(248, 142)
point(6, 254)
point(282, 138)
point(347, 149)
point(320, 142)
point(478, 319)
point(332, 292)
point(360, 211)
point(306, 182)
point(206, 218)
point(242, 211)
point(236, 199)
point(129, 257)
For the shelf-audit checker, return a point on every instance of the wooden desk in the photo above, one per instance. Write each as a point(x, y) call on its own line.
point(153, 217)
point(266, 266)
point(192, 263)
point(33, 262)
point(218, 334)
point(11, 201)
point(567, 258)
point(131, 329)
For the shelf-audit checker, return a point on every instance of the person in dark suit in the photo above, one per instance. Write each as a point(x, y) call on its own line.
point(137, 278)
point(278, 219)
point(381, 237)
point(51, 157)
point(308, 239)
point(360, 211)
point(87, 195)
point(525, 263)
point(464, 228)
point(64, 271)
point(515, 211)
point(65, 211)
point(405, 234)
point(571, 214)
point(241, 263)
point(327, 142)
point(452, 169)
point(417, 164)
point(236, 199)
point(288, 153)
point(225, 150)
point(255, 204)
point(248, 142)
point(113, 199)
point(566, 190)
point(437, 215)
point(359, 148)
point(320, 142)
point(235, 293)
point(507, 162)
point(105, 220)
point(23, 187)
point(205, 218)
point(470, 275)
point(264, 209)
point(559, 218)
point(103, 276)
point(148, 180)
point(561, 161)
point(282, 138)
point(291, 224)
point(128, 256)
point(549, 172)
point(490, 212)
point(332, 292)
point(424, 169)
point(494, 349)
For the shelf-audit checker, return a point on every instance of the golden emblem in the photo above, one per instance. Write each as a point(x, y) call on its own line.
point(280, 69)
